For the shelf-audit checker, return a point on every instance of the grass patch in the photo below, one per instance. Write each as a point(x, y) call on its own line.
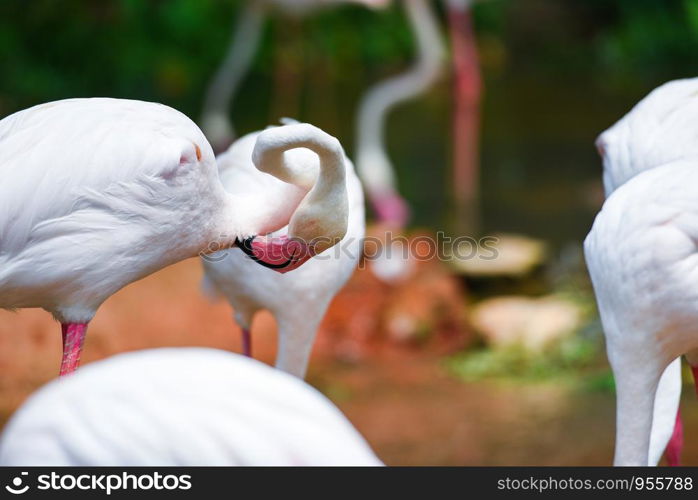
point(576, 360)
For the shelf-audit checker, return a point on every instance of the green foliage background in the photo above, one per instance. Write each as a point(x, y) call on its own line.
point(557, 72)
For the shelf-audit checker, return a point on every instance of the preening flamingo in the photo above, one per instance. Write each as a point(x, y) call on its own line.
point(297, 300)
point(180, 407)
point(98, 193)
point(658, 130)
point(215, 117)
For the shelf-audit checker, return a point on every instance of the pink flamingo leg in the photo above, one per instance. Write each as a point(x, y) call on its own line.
point(246, 342)
point(675, 446)
point(73, 340)
point(392, 209)
point(467, 90)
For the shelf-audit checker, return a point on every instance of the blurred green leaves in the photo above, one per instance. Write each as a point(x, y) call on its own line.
point(651, 38)
point(167, 49)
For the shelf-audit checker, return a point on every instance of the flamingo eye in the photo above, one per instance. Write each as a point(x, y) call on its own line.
point(187, 158)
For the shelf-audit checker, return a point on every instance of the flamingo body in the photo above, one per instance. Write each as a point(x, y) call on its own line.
point(98, 193)
point(180, 407)
point(641, 255)
point(657, 131)
point(298, 300)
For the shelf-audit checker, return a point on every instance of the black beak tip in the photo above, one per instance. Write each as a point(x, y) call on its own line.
point(246, 247)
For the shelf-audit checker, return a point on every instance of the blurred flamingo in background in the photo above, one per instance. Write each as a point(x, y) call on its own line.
point(373, 164)
point(98, 193)
point(467, 90)
point(298, 300)
point(181, 407)
point(215, 117)
point(658, 131)
point(372, 161)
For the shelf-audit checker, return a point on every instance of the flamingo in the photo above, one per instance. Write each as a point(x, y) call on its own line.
point(372, 161)
point(656, 136)
point(250, 288)
point(98, 193)
point(641, 257)
point(392, 263)
point(373, 164)
point(215, 118)
point(658, 130)
point(180, 407)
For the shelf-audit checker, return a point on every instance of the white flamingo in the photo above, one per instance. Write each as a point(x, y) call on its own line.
point(215, 118)
point(372, 161)
point(641, 257)
point(98, 193)
point(299, 300)
point(642, 152)
point(180, 407)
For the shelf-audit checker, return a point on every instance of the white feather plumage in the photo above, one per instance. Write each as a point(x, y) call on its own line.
point(98, 193)
point(180, 407)
point(639, 240)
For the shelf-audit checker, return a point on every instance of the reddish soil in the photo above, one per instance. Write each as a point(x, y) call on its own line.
point(388, 379)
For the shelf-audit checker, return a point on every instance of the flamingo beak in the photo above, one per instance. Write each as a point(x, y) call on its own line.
point(601, 146)
point(281, 253)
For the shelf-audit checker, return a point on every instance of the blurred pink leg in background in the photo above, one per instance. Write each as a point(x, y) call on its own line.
point(73, 340)
point(675, 446)
point(246, 342)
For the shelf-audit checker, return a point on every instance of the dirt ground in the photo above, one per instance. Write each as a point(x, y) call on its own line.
point(399, 398)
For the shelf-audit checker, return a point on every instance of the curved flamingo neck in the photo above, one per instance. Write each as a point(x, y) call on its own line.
point(372, 161)
point(325, 206)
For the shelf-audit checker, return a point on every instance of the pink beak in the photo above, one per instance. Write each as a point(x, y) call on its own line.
point(281, 253)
